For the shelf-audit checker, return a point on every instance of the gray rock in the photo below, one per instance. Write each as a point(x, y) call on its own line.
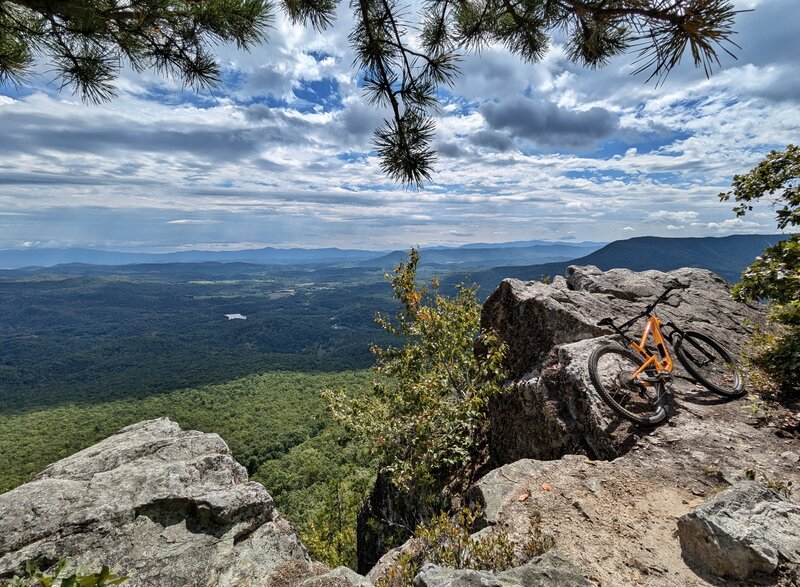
point(546, 570)
point(492, 492)
point(556, 413)
point(743, 530)
point(338, 577)
point(388, 560)
point(551, 408)
point(163, 505)
point(533, 317)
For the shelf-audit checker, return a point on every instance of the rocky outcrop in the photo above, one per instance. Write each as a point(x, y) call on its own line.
point(533, 317)
point(608, 492)
point(744, 530)
point(611, 493)
point(165, 506)
point(338, 577)
point(551, 408)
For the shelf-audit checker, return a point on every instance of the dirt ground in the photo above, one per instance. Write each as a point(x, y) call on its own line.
point(617, 520)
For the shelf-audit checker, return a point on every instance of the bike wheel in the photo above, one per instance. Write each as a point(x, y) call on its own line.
point(610, 369)
point(709, 364)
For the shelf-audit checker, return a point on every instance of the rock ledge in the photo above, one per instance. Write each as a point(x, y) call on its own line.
point(166, 506)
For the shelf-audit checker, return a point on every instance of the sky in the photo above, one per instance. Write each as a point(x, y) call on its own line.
point(280, 154)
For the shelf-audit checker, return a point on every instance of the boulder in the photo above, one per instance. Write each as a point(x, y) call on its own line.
point(744, 530)
point(167, 507)
point(492, 492)
point(551, 407)
point(546, 570)
point(338, 577)
point(533, 318)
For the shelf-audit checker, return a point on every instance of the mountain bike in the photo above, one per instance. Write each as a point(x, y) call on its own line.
point(633, 382)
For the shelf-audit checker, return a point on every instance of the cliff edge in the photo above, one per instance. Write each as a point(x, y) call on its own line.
point(610, 492)
point(167, 506)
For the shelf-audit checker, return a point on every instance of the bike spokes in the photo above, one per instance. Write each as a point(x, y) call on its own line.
point(710, 364)
point(612, 370)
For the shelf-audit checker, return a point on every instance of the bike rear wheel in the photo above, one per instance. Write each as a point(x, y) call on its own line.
point(709, 364)
point(610, 369)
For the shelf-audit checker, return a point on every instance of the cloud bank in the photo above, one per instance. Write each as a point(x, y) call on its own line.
point(281, 153)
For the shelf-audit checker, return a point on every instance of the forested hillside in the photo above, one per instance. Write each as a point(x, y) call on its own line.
point(131, 334)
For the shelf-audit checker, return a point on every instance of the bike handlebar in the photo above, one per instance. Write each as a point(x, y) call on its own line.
point(665, 294)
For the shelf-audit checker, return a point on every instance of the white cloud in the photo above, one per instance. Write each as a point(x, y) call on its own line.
point(192, 221)
point(736, 225)
point(676, 216)
point(237, 164)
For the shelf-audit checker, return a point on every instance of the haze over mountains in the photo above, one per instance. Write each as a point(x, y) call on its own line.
point(483, 263)
point(471, 255)
point(43, 257)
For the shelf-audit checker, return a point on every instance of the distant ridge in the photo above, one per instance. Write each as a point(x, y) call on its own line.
point(17, 258)
point(727, 256)
point(476, 255)
point(484, 255)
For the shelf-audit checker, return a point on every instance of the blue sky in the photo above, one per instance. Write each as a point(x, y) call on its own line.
point(280, 154)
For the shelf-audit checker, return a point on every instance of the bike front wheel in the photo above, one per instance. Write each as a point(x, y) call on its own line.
point(709, 364)
point(610, 369)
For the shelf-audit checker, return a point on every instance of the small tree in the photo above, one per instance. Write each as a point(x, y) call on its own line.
point(776, 273)
point(426, 419)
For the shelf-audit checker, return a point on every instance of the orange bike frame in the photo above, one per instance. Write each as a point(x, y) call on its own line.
point(664, 364)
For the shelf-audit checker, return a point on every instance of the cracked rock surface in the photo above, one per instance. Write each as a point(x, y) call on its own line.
point(744, 530)
point(551, 330)
point(167, 507)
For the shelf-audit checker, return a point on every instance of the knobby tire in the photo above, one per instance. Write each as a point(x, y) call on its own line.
point(611, 387)
point(709, 364)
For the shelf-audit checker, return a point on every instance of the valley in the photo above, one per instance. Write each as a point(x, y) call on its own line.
point(240, 349)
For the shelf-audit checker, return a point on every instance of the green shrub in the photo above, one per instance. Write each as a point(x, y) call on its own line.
point(426, 420)
point(775, 274)
point(774, 366)
point(447, 542)
point(63, 575)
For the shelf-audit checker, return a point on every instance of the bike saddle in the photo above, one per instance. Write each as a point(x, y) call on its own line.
point(607, 321)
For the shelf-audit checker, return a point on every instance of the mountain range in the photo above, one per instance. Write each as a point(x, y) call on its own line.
point(481, 263)
point(482, 255)
point(726, 256)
